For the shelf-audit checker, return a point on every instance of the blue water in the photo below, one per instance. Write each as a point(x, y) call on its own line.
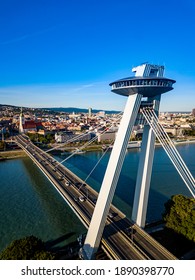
point(29, 204)
point(165, 180)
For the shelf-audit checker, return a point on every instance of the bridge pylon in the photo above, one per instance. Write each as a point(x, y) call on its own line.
point(144, 89)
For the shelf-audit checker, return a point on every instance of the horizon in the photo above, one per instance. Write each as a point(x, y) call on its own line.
point(62, 53)
point(78, 108)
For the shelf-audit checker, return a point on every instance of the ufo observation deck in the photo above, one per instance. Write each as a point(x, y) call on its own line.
point(146, 86)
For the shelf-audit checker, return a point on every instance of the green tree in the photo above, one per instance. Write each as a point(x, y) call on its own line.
point(28, 248)
point(49, 138)
point(189, 132)
point(180, 215)
point(33, 137)
point(42, 139)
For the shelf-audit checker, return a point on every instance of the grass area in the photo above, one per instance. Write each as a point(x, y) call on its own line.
point(12, 154)
point(93, 148)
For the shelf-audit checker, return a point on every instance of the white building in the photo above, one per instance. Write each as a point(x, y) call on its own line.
point(109, 135)
point(61, 137)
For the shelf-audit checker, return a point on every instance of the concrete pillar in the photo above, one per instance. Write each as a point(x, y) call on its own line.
point(144, 172)
point(110, 180)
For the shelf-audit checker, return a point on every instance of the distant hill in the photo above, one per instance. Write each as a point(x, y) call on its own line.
point(65, 110)
point(79, 110)
point(5, 105)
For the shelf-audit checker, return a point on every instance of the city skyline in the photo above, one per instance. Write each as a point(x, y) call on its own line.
point(57, 54)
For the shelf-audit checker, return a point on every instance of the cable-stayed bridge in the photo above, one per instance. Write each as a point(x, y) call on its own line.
point(122, 239)
point(134, 242)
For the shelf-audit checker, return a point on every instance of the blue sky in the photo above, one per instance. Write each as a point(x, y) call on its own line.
point(65, 53)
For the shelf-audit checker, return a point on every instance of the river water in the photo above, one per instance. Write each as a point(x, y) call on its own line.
point(30, 205)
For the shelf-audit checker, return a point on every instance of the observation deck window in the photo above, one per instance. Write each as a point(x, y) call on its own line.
point(169, 84)
point(113, 86)
point(154, 82)
point(146, 82)
point(142, 82)
point(153, 73)
point(160, 83)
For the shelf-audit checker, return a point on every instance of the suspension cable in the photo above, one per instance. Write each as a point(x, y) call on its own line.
point(174, 157)
point(77, 137)
point(105, 151)
point(170, 149)
point(175, 151)
point(86, 144)
point(176, 154)
point(179, 169)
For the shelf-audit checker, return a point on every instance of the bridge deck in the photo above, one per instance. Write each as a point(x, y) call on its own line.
point(121, 238)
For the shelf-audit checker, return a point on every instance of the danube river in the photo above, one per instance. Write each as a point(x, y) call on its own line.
point(29, 204)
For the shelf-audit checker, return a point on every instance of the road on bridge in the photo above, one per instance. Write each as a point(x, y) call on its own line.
point(121, 238)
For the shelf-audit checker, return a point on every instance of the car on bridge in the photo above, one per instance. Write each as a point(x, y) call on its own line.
point(110, 215)
point(81, 198)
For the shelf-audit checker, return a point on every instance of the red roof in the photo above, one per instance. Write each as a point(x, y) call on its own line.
point(31, 124)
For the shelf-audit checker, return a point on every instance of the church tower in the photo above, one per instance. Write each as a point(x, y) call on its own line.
point(21, 122)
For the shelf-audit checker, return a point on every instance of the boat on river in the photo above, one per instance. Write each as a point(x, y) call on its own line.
point(131, 144)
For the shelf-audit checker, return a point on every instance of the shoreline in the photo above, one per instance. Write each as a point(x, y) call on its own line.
point(19, 153)
point(12, 154)
point(180, 142)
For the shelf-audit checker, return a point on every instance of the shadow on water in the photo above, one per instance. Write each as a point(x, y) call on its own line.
point(53, 216)
point(63, 252)
point(54, 242)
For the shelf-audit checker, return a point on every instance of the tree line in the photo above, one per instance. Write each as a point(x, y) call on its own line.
point(179, 215)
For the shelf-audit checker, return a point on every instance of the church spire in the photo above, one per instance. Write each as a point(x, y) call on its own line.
point(21, 122)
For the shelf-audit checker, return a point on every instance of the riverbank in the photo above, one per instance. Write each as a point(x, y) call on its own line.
point(179, 142)
point(98, 147)
point(12, 154)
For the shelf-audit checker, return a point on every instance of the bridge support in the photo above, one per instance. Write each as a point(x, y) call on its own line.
point(144, 171)
point(110, 180)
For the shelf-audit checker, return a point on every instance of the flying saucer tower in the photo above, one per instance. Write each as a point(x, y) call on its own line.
point(144, 89)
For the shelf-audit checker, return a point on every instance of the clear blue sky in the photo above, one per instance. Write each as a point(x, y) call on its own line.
point(65, 53)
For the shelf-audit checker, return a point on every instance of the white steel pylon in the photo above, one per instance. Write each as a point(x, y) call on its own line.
point(110, 180)
point(144, 171)
point(150, 83)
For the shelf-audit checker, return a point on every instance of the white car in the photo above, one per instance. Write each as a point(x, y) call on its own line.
point(81, 198)
point(110, 215)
